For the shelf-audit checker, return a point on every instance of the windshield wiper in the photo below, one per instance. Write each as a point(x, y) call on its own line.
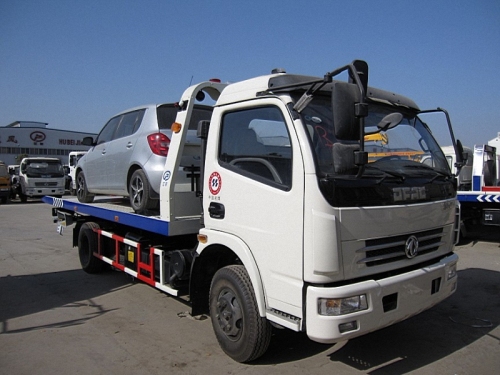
point(430, 169)
point(390, 173)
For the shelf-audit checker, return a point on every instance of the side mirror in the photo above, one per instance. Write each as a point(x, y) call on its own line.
point(390, 121)
point(461, 156)
point(88, 141)
point(345, 96)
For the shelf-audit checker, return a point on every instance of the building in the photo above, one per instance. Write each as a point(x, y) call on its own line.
point(35, 139)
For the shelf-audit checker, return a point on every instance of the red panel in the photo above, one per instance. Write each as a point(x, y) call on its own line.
point(491, 188)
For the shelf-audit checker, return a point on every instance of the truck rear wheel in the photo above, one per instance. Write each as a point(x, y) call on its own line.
point(242, 333)
point(87, 245)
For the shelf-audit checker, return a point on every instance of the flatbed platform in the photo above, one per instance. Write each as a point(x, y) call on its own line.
point(479, 196)
point(114, 209)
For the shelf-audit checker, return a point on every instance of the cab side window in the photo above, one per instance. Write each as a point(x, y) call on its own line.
point(256, 144)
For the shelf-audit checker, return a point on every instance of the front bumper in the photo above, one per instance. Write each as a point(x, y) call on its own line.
point(390, 300)
point(40, 192)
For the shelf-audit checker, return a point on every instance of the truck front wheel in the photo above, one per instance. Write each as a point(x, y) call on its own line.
point(87, 245)
point(242, 333)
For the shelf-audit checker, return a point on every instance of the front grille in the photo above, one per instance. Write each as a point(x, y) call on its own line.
point(45, 184)
point(392, 249)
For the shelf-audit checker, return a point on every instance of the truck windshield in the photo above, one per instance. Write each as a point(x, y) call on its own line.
point(406, 150)
point(43, 169)
point(404, 159)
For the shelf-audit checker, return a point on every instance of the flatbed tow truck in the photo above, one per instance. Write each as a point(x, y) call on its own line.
point(287, 221)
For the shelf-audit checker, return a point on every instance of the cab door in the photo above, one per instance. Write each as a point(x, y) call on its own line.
point(254, 190)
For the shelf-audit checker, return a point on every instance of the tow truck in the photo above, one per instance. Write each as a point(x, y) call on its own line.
point(284, 221)
point(479, 184)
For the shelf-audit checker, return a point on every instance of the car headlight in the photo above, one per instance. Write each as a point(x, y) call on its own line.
point(342, 306)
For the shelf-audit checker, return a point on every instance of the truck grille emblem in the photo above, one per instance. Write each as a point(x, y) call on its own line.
point(411, 247)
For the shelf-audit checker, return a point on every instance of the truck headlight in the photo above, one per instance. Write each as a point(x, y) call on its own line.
point(342, 306)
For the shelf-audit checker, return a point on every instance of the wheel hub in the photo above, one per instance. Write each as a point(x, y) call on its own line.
point(229, 314)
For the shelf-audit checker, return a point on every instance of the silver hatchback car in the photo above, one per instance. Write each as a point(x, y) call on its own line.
point(129, 154)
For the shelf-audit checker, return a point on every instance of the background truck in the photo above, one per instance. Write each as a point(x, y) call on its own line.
point(479, 184)
point(73, 158)
point(39, 176)
point(286, 220)
point(4, 183)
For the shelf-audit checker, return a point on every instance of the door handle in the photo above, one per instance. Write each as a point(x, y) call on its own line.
point(216, 210)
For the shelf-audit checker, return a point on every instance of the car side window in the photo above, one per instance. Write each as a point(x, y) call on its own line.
point(256, 143)
point(107, 132)
point(129, 124)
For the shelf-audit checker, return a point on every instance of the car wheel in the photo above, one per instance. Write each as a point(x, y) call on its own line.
point(242, 333)
point(82, 192)
point(139, 192)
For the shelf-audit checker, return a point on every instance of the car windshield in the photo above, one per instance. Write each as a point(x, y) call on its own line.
point(43, 169)
point(407, 149)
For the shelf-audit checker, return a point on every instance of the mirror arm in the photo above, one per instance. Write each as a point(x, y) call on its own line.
point(360, 109)
point(459, 154)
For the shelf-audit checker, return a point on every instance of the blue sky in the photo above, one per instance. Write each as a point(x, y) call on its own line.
point(74, 64)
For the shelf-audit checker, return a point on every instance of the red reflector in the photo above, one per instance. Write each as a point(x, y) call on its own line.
point(159, 143)
point(215, 80)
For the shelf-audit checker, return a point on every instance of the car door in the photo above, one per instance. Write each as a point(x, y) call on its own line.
point(120, 151)
point(95, 163)
point(255, 191)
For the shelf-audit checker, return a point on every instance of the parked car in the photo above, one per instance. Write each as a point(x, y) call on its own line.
point(129, 154)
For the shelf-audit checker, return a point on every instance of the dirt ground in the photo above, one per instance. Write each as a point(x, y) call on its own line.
point(54, 318)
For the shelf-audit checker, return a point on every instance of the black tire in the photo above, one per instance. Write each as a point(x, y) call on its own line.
point(82, 193)
point(139, 192)
point(23, 197)
point(242, 333)
point(4, 200)
point(87, 245)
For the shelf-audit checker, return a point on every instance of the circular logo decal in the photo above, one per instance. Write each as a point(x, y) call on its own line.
point(37, 136)
point(166, 175)
point(215, 183)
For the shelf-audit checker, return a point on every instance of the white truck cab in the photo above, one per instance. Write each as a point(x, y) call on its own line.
point(40, 176)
